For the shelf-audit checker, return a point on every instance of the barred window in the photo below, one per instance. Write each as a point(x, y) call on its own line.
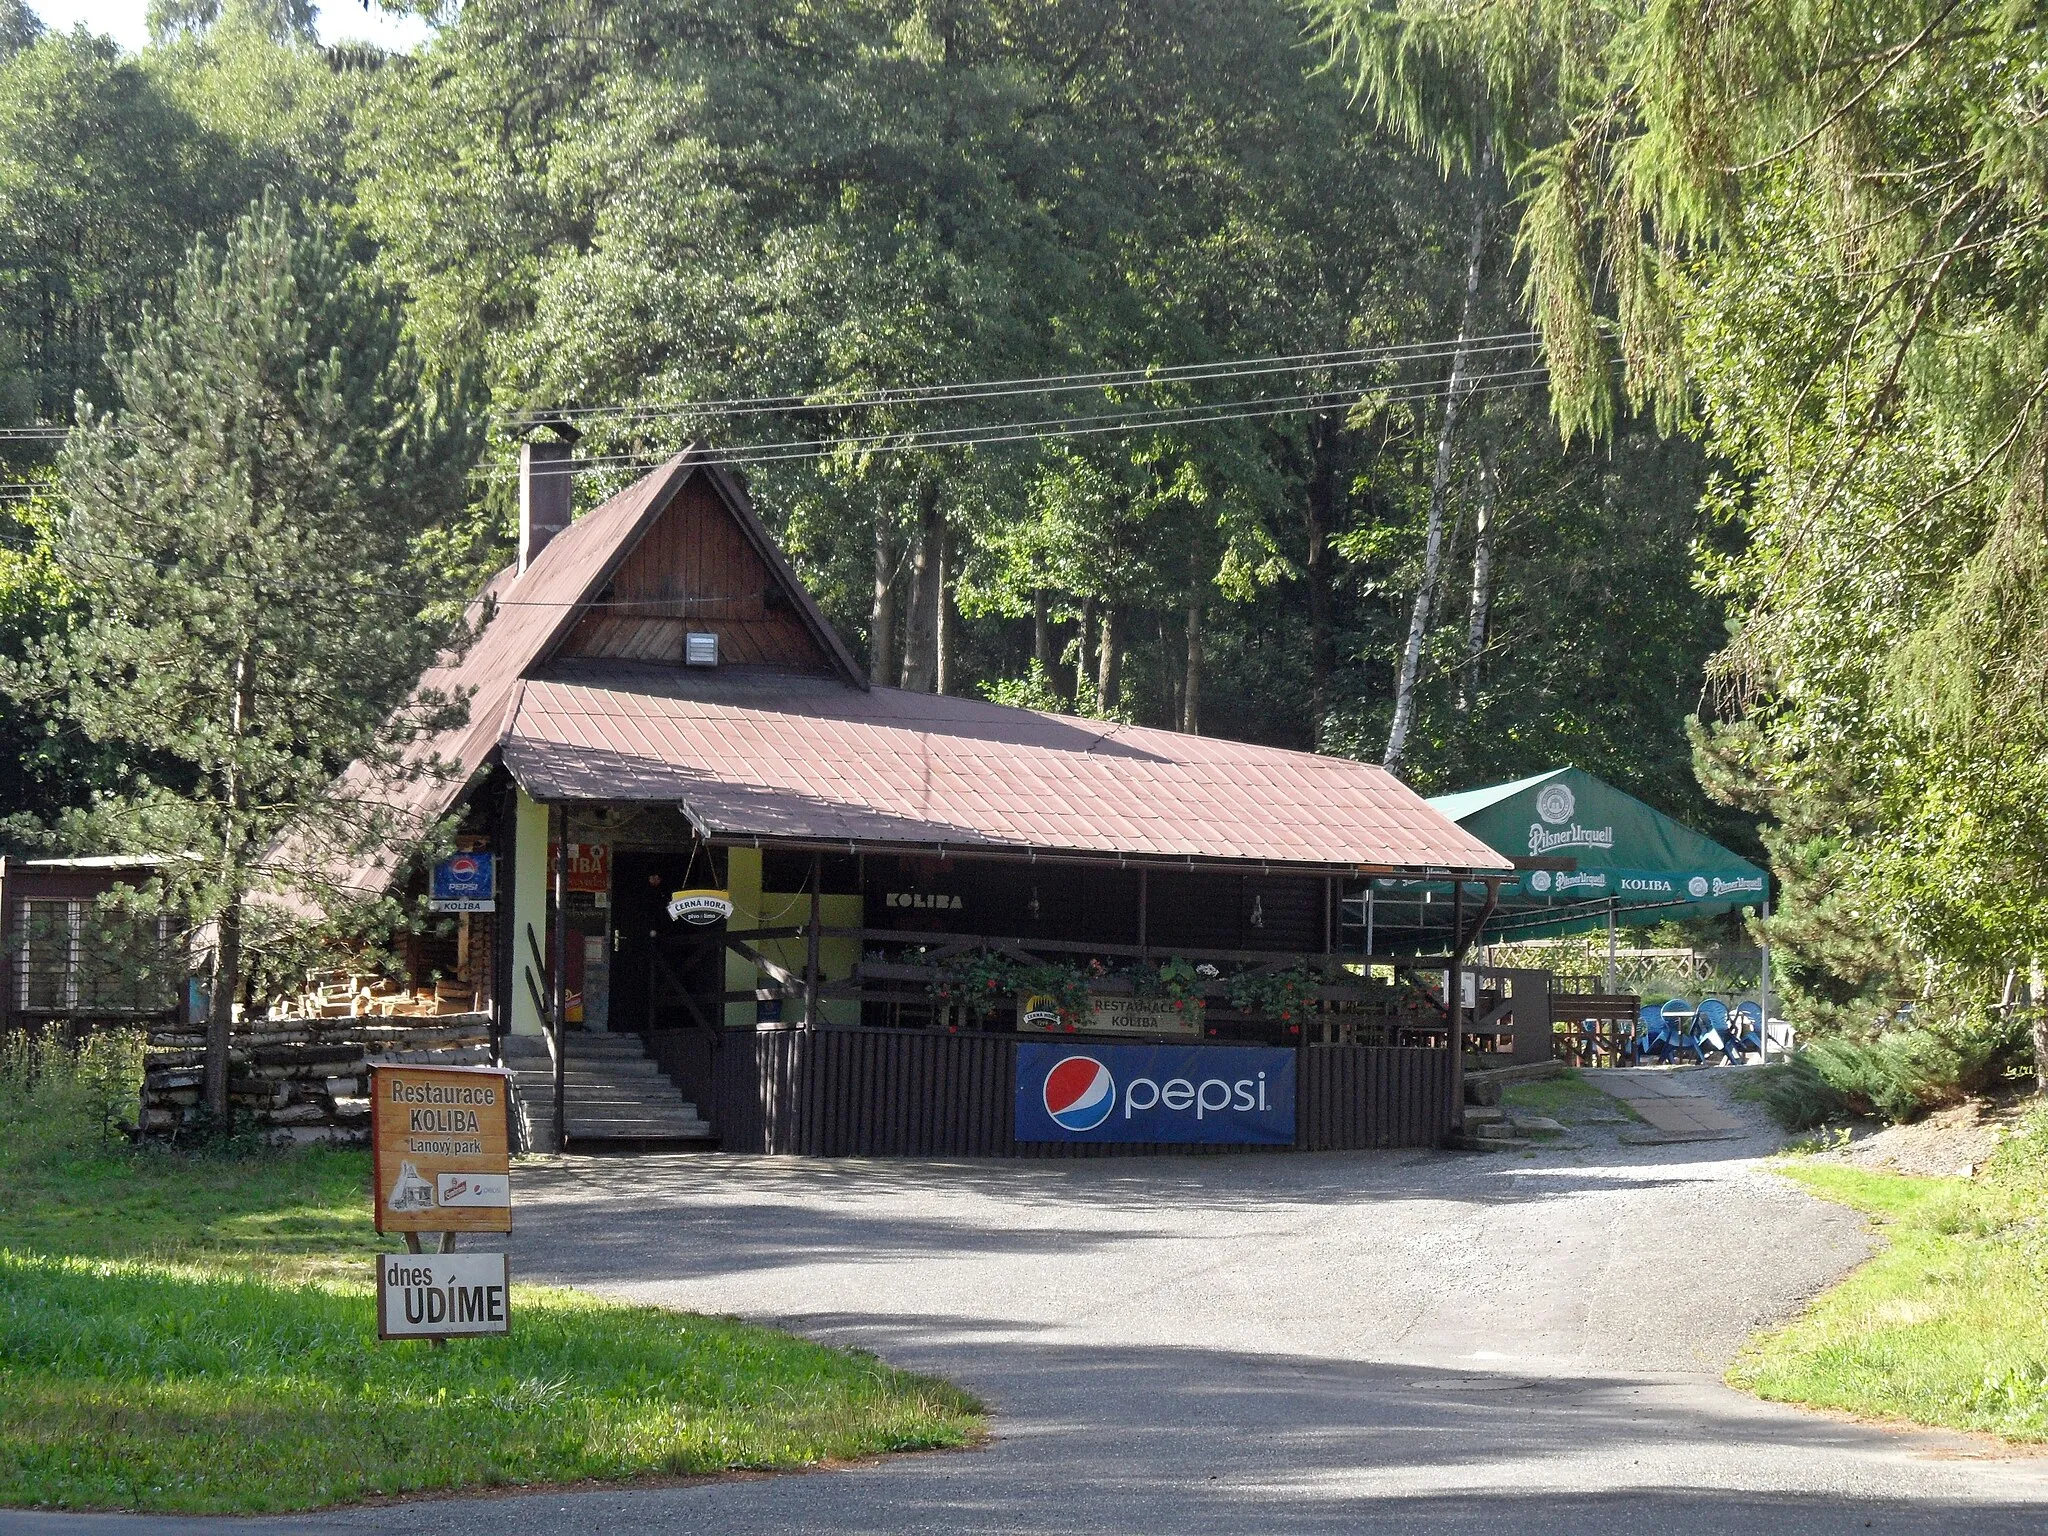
point(70, 957)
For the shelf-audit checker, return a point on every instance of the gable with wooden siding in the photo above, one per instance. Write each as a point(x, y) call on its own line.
point(695, 570)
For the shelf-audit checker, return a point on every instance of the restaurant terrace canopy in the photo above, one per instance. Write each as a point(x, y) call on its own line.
point(1588, 856)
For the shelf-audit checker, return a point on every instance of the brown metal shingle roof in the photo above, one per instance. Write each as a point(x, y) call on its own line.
point(754, 753)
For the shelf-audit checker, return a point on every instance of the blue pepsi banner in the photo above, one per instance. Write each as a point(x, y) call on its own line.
point(468, 882)
point(1220, 1094)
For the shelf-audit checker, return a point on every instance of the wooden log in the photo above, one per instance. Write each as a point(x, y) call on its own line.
point(292, 1114)
point(306, 1055)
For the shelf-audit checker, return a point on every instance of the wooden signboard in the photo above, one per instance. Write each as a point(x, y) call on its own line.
point(441, 1141)
point(1113, 1015)
point(443, 1295)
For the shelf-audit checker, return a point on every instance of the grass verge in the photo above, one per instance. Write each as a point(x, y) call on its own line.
point(1943, 1327)
point(196, 1333)
point(1568, 1098)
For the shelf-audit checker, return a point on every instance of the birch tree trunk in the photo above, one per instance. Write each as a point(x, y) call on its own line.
point(1433, 543)
point(1320, 515)
point(882, 616)
point(1482, 576)
point(1041, 631)
point(947, 640)
point(1084, 651)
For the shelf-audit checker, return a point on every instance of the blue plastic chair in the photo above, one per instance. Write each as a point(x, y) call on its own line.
point(1749, 1027)
point(1710, 1029)
point(1678, 1037)
point(1649, 1032)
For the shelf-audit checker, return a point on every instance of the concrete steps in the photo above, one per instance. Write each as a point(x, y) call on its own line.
point(612, 1093)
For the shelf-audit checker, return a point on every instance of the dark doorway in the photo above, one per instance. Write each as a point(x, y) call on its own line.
point(665, 974)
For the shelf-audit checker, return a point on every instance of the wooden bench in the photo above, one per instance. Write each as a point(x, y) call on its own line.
point(1612, 1019)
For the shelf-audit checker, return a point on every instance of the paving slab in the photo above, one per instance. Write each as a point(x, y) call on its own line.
point(1673, 1103)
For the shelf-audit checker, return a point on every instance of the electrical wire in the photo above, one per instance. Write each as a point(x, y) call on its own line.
point(1521, 378)
point(990, 389)
point(1048, 428)
point(1118, 378)
point(1041, 429)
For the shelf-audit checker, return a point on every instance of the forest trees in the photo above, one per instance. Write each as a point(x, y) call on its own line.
point(633, 211)
point(651, 215)
point(240, 542)
point(1816, 230)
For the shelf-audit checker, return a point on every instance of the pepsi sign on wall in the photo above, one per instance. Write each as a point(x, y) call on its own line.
point(465, 883)
point(1221, 1094)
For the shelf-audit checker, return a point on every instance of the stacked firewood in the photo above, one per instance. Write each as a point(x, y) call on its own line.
point(300, 1080)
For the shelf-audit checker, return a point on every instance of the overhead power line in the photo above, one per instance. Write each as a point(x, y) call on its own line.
point(1051, 428)
point(1040, 429)
point(1510, 379)
point(1055, 383)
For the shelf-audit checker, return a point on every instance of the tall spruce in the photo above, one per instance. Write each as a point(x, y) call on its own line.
point(242, 539)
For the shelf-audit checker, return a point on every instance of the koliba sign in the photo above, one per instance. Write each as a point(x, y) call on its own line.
point(700, 908)
point(1542, 882)
point(443, 1295)
point(467, 882)
point(1113, 1016)
point(442, 1148)
point(939, 901)
point(1218, 1094)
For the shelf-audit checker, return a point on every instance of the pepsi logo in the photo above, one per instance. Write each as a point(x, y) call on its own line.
point(462, 864)
point(1079, 1093)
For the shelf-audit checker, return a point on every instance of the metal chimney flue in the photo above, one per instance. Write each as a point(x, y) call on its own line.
point(546, 458)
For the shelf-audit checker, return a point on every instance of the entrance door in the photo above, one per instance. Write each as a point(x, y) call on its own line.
point(666, 974)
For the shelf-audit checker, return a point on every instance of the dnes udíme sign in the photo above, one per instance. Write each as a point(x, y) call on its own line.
point(443, 1295)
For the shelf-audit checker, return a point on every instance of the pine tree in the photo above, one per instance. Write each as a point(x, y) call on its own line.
point(243, 537)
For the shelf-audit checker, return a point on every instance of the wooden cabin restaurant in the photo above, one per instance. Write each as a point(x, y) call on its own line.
point(847, 919)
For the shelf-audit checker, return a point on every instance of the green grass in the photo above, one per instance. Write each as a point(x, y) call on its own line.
point(1569, 1099)
point(1949, 1324)
point(196, 1332)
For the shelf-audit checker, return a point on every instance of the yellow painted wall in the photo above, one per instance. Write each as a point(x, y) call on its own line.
point(755, 908)
point(743, 885)
point(529, 910)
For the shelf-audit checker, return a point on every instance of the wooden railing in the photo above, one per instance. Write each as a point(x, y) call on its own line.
point(931, 1093)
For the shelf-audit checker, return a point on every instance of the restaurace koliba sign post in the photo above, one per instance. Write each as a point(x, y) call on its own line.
point(441, 1161)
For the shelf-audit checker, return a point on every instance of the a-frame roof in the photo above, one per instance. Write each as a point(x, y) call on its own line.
point(527, 614)
point(796, 746)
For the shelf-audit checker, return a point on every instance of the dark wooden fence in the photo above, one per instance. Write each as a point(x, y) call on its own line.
point(1349, 1096)
point(925, 1093)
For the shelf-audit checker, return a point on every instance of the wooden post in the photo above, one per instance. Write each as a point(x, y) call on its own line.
point(558, 1004)
point(1329, 945)
point(1454, 997)
point(1144, 895)
point(811, 944)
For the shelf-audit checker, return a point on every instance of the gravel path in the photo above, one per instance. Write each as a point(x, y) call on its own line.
point(1344, 1342)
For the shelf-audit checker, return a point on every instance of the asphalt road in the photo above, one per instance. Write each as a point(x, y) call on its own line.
point(1335, 1343)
